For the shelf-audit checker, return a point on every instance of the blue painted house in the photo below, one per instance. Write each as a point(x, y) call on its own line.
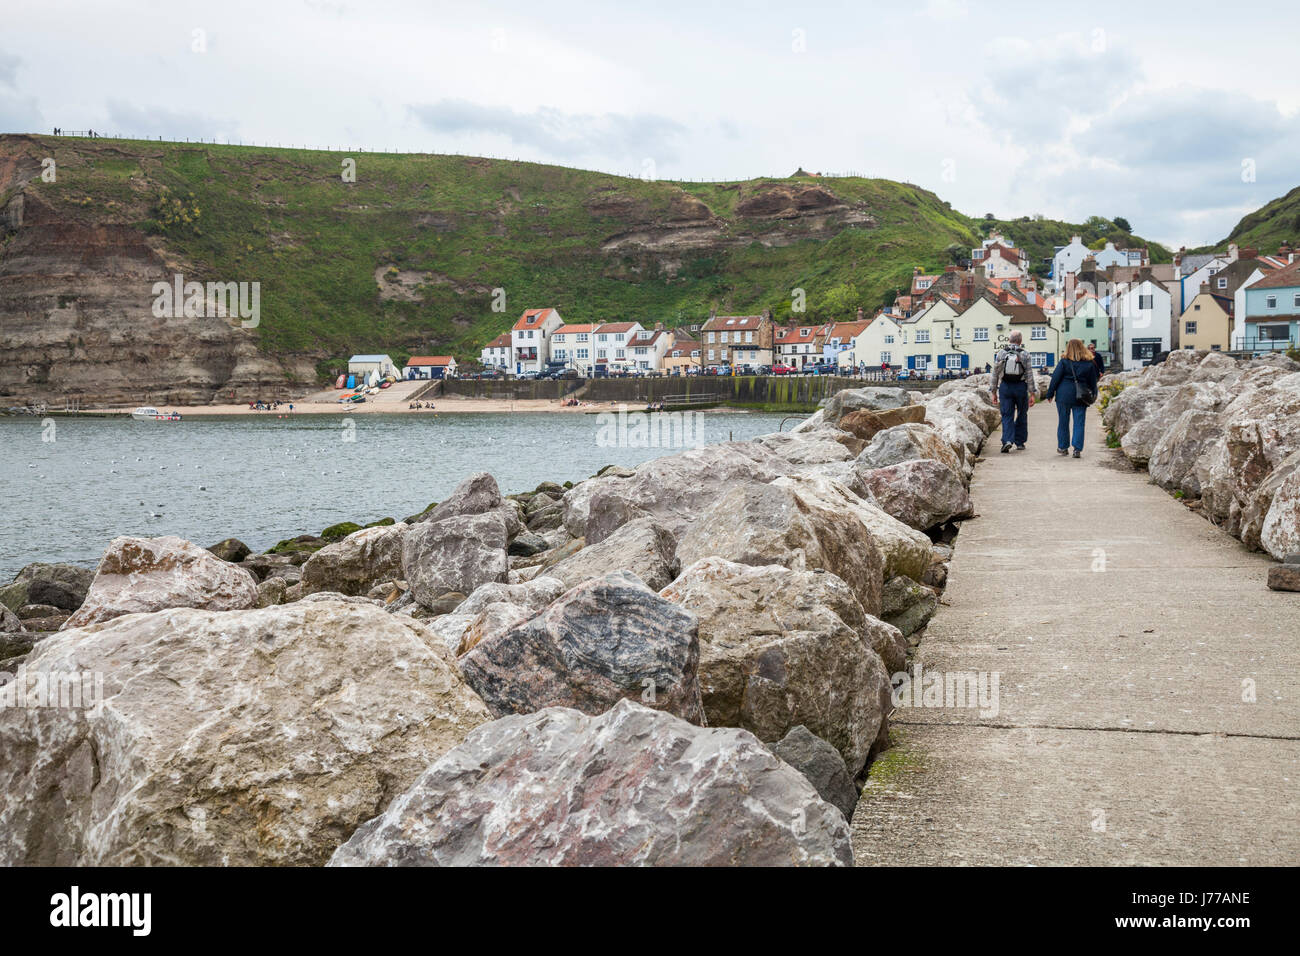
point(1272, 306)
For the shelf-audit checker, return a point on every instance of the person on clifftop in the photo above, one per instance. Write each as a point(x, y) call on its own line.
point(1013, 389)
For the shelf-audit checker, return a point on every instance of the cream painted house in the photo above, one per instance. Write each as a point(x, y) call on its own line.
point(1206, 323)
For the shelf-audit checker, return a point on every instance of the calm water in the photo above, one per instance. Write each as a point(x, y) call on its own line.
point(264, 479)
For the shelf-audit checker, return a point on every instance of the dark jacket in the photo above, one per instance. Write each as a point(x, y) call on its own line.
point(1067, 370)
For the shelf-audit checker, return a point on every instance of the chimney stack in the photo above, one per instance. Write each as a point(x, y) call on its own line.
point(861, 314)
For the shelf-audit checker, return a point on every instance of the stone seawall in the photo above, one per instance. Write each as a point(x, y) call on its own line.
point(794, 392)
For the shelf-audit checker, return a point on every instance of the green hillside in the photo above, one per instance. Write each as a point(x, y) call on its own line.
point(1268, 226)
point(406, 258)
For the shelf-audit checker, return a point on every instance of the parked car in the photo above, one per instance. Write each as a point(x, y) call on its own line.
point(783, 370)
point(764, 370)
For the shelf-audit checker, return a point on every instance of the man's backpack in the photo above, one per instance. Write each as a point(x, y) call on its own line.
point(1014, 369)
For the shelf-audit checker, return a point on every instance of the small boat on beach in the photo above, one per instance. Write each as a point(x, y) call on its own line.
point(147, 413)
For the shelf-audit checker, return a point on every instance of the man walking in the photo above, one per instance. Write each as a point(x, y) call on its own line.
point(1013, 390)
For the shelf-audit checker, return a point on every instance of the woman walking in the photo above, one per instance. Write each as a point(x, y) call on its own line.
point(1074, 386)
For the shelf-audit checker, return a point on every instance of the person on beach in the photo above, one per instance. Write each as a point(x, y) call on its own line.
point(1074, 386)
point(1013, 389)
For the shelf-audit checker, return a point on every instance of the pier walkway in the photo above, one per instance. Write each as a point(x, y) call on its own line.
point(1148, 683)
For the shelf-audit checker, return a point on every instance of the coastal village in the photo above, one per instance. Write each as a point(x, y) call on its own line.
point(947, 324)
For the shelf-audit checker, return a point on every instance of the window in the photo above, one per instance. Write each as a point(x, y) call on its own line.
point(602, 337)
point(1087, 323)
point(922, 362)
point(1038, 334)
point(1271, 302)
point(1190, 328)
point(947, 332)
point(749, 336)
point(885, 358)
point(1222, 283)
point(804, 333)
point(952, 361)
point(710, 355)
point(710, 341)
point(582, 353)
point(1146, 301)
point(640, 351)
point(1196, 307)
point(922, 336)
point(1038, 359)
point(582, 336)
point(889, 340)
point(559, 353)
point(1295, 300)
point(643, 334)
point(956, 335)
point(981, 335)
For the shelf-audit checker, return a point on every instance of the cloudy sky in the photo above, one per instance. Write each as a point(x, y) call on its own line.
point(1179, 118)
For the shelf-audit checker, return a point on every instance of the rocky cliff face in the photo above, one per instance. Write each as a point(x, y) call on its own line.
point(76, 307)
point(405, 258)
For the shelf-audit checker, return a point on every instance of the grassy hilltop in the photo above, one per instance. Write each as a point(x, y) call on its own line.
point(406, 258)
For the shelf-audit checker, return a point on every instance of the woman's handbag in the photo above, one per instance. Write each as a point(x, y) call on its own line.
point(1082, 394)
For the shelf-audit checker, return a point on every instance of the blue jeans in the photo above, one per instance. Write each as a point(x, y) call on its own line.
point(1065, 411)
point(1013, 399)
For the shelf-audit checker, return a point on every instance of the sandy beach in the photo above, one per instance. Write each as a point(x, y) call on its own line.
point(450, 404)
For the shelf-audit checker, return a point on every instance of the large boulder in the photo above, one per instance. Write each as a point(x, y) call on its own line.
point(864, 424)
point(641, 546)
point(62, 585)
point(358, 562)
point(970, 404)
point(152, 574)
point(673, 489)
point(1272, 520)
point(476, 495)
point(492, 609)
point(1132, 405)
point(920, 493)
point(1140, 441)
point(907, 605)
point(807, 448)
point(903, 550)
point(224, 739)
point(775, 524)
point(604, 640)
point(822, 765)
point(632, 786)
point(780, 648)
point(1172, 464)
point(872, 399)
point(1261, 428)
point(907, 443)
point(231, 549)
point(456, 554)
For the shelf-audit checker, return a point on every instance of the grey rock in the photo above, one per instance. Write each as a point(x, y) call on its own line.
point(604, 640)
point(458, 553)
point(822, 765)
point(231, 549)
point(920, 493)
point(632, 786)
point(642, 547)
point(358, 562)
point(527, 544)
point(869, 399)
point(780, 648)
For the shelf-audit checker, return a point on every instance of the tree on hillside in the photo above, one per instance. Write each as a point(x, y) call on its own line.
point(1122, 224)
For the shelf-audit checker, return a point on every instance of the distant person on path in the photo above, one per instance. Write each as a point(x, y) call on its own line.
point(1013, 389)
point(1097, 359)
point(1074, 386)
